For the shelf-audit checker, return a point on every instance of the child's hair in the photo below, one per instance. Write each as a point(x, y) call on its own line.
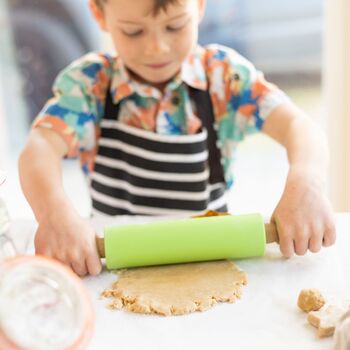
point(158, 5)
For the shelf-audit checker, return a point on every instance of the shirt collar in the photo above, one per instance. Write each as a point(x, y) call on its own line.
point(121, 86)
point(192, 73)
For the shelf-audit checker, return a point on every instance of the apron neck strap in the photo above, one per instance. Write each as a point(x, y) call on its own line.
point(205, 112)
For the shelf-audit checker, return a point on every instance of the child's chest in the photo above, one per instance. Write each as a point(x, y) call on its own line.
point(172, 114)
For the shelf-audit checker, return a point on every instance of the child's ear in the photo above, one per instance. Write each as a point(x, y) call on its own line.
point(98, 15)
point(201, 8)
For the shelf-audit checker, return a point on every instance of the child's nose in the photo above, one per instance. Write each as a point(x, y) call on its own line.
point(157, 45)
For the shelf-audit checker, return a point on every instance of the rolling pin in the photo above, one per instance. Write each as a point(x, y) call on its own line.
point(185, 240)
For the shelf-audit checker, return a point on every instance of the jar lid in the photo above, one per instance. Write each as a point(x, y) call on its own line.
point(43, 305)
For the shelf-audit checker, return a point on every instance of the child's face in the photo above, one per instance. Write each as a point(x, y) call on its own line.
point(152, 47)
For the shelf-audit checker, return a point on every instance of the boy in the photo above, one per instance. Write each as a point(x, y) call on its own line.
point(143, 123)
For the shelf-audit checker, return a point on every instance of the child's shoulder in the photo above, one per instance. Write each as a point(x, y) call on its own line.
point(91, 65)
point(91, 73)
point(217, 54)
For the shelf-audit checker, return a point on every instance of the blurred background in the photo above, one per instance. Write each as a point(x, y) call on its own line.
point(40, 37)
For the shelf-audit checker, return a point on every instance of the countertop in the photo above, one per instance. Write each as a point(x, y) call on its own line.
point(266, 317)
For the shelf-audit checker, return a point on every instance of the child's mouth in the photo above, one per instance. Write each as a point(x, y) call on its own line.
point(158, 65)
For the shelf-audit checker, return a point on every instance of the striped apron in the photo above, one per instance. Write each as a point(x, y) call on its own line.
point(138, 172)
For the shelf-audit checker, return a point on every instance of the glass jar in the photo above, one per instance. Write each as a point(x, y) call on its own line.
point(43, 306)
point(7, 248)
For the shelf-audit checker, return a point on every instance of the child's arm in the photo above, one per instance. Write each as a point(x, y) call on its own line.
point(62, 233)
point(303, 215)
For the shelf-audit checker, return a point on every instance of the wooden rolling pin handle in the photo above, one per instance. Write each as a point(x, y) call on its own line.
point(100, 245)
point(271, 233)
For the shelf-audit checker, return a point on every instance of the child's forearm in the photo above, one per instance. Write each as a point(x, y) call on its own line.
point(304, 191)
point(307, 149)
point(40, 172)
point(62, 234)
point(305, 142)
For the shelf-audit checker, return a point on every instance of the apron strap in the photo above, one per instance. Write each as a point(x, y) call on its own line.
point(205, 112)
point(111, 109)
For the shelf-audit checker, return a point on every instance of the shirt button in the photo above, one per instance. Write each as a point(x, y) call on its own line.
point(175, 101)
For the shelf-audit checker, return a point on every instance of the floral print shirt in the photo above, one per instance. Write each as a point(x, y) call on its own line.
point(242, 99)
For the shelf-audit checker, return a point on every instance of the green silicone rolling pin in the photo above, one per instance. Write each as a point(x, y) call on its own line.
point(185, 240)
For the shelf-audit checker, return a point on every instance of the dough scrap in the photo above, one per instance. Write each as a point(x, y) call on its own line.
point(176, 289)
point(326, 319)
point(209, 213)
point(310, 300)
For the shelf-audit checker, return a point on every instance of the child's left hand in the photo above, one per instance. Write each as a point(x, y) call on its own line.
point(303, 216)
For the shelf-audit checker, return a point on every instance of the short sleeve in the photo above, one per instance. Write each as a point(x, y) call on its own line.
point(77, 103)
point(251, 97)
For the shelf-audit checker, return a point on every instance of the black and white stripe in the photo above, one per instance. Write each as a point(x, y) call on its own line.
point(105, 204)
point(150, 174)
point(138, 172)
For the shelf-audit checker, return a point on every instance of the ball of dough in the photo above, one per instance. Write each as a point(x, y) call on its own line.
point(310, 300)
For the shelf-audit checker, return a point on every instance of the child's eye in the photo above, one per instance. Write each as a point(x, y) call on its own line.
point(133, 34)
point(174, 29)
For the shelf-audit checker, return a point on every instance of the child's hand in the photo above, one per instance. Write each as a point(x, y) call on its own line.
point(64, 235)
point(303, 217)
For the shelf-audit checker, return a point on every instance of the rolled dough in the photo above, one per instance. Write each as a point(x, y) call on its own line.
point(176, 289)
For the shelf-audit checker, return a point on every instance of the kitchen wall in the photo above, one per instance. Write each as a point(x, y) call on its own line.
point(336, 93)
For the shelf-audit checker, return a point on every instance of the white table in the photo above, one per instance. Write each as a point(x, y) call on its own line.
point(266, 317)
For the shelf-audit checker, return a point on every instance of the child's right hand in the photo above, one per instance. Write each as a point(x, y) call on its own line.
point(63, 235)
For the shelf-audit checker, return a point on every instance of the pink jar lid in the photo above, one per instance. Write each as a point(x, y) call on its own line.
point(43, 305)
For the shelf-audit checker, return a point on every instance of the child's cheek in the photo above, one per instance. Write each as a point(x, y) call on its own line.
point(124, 46)
point(185, 42)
